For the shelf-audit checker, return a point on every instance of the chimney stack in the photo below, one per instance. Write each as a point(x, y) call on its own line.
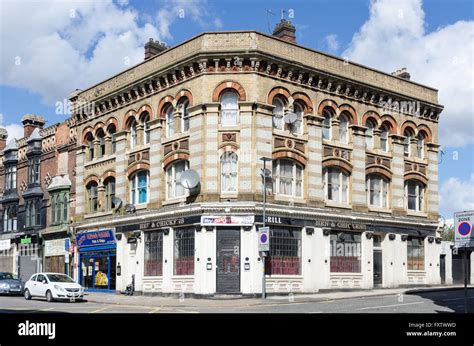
point(153, 48)
point(402, 73)
point(286, 31)
point(3, 138)
point(30, 123)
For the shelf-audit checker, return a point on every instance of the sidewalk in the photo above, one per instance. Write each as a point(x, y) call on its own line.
point(224, 301)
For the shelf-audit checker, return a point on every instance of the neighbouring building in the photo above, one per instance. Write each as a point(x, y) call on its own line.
point(37, 197)
point(352, 187)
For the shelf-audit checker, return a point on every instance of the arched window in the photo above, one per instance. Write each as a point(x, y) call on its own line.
point(5, 220)
point(65, 207)
point(89, 142)
point(169, 113)
point(336, 185)
point(58, 208)
point(298, 125)
point(287, 178)
point(139, 187)
point(173, 175)
point(278, 113)
point(92, 189)
point(229, 108)
point(112, 131)
point(53, 209)
point(369, 135)
point(377, 190)
point(229, 172)
point(384, 138)
point(9, 219)
point(343, 128)
point(420, 146)
point(109, 185)
point(10, 178)
point(132, 128)
point(33, 213)
point(407, 142)
point(327, 114)
point(145, 118)
point(101, 137)
point(414, 192)
point(183, 106)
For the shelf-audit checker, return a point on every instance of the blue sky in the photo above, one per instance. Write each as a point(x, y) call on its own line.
point(74, 44)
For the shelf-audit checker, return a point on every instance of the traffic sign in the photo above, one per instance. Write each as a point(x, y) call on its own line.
point(463, 221)
point(264, 239)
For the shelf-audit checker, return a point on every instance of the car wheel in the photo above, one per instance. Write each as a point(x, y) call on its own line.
point(49, 296)
point(27, 294)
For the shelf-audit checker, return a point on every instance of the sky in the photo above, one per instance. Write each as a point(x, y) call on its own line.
point(50, 48)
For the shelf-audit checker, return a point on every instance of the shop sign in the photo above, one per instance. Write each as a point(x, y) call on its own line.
point(162, 223)
point(5, 244)
point(54, 247)
point(236, 220)
point(102, 237)
point(340, 225)
point(25, 240)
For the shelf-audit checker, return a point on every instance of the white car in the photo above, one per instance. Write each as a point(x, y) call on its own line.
point(53, 286)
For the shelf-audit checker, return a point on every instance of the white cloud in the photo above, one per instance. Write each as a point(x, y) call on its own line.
point(14, 130)
point(456, 195)
point(332, 43)
point(394, 36)
point(75, 44)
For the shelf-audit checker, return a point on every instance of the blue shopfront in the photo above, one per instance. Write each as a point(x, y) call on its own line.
point(97, 260)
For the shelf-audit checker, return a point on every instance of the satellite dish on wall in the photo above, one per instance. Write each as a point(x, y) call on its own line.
point(290, 118)
point(130, 209)
point(117, 203)
point(190, 179)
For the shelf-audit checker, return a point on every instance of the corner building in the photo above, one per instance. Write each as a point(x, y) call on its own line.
point(352, 198)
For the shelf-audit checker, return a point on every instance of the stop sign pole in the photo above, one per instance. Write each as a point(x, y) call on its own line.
point(263, 254)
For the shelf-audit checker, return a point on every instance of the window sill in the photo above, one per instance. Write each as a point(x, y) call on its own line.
point(141, 206)
point(288, 134)
point(416, 271)
point(338, 144)
point(338, 205)
point(379, 152)
point(346, 274)
point(380, 210)
point(228, 128)
point(98, 214)
point(174, 200)
point(283, 276)
point(229, 194)
point(416, 213)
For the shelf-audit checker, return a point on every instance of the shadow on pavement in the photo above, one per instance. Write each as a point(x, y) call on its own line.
point(452, 299)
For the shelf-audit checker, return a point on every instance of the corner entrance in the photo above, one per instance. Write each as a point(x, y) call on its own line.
point(228, 260)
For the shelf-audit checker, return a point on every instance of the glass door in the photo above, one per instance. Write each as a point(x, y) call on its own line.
point(98, 271)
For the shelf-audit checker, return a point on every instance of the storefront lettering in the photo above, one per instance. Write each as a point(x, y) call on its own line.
point(161, 223)
point(95, 238)
point(273, 219)
point(339, 224)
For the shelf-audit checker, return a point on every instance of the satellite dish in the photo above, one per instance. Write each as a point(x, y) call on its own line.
point(117, 202)
point(290, 118)
point(190, 179)
point(130, 208)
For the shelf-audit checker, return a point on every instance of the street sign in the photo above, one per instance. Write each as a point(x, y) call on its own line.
point(264, 239)
point(463, 223)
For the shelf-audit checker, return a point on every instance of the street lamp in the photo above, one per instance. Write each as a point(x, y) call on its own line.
point(264, 173)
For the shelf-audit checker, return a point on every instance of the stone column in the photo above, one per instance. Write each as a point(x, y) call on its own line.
point(376, 138)
point(121, 165)
point(432, 195)
point(359, 195)
point(140, 134)
point(334, 129)
point(413, 147)
point(96, 143)
point(177, 120)
point(314, 168)
point(196, 142)
point(101, 204)
point(397, 185)
point(108, 144)
point(246, 157)
point(211, 160)
point(80, 186)
point(157, 176)
point(263, 144)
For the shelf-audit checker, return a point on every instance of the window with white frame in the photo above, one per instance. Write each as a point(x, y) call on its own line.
point(377, 190)
point(414, 192)
point(173, 176)
point(9, 219)
point(327, 114)
point(278, 113)
point(407, 143)
point(420, 146)
point(287, 178)
point(229, 108)
point(10, 178)
point(298, 125)
point(146, 127)
point(183, 107)
point(139, 187)
point(384, 138)
point(229, 168)
point(133, 134)
point(343, 128)
point(336, 185)
point(369, 135)
point(169, 121)
point(92, 198)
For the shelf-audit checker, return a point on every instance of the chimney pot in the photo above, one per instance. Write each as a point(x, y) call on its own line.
point(30, 123)
point(3, 138)
point(285, 31)
point(153, 48)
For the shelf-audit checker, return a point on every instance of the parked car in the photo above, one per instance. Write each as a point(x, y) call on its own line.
point(10, 284)
point(53, 286)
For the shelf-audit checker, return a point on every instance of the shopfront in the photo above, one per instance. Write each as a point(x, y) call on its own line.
point(6, 256)
point(29, 256)
point(56, 256)
point(97, 260)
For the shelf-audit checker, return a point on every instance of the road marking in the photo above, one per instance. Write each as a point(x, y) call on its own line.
point(154, 310)
point(99, 310)
point(389, 306)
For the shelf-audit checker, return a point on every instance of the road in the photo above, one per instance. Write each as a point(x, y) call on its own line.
point(428, 302)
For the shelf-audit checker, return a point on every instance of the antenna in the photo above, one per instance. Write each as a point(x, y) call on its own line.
point(268, 21)
point(190, 179)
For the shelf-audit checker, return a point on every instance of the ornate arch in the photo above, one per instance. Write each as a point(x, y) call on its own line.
point(416, 176)
point(139, 166)
point(408, 124)
point(161, 106)
point(347, 109)
point(371, 115)
point(91, 178)
point(130, 114)
point(88, 130)
point(176, 156)
point(110, 121)
point(426, 130)
point(278, 91)
point(390, 120)
point(145, 108)
point(327, 103)
point(219, 89)
point(379, 169)
point(287, 154)
point(185, 93)
point(228, 147)
point(337, 162)
point(107, 174)
point(99, 126)
point(305, 100)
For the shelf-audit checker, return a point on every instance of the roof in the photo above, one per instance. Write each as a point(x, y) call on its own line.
point(35, 135)
point(11, 145)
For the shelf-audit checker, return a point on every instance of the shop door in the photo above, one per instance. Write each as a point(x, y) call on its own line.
point(442, 268)
point(98, 271)
point(377, 268)
point(228, 260)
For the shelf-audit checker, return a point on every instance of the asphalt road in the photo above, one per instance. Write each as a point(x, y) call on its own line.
point(429, 302)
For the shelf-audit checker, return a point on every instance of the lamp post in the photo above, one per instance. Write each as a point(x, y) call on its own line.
point(264, 189)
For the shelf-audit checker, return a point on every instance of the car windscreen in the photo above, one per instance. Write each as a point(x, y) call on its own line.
point(59, 278)
point(7, 276)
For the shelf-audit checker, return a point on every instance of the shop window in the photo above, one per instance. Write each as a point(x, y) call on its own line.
point(336, 185)
point(184, 251)
point(415, 253)
point(414, 192)
point(377, 190)
point(34, 170)
point(420, 146)
point(287, 178)
point(92, 189)
point(153, 253)
point(139, 187)
point(327, 114)
point(278, 113)
point(145, 119)
point(9, 219)
point(384, 138)
point(345, 252)
point(109, 184)
point(183, 106)
point(229, 172)
point(369, 135)
point(343, 129)
point(10, 178)
point(229, 108)
point(285, 252)
point(173, 176)
point(169, 121)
